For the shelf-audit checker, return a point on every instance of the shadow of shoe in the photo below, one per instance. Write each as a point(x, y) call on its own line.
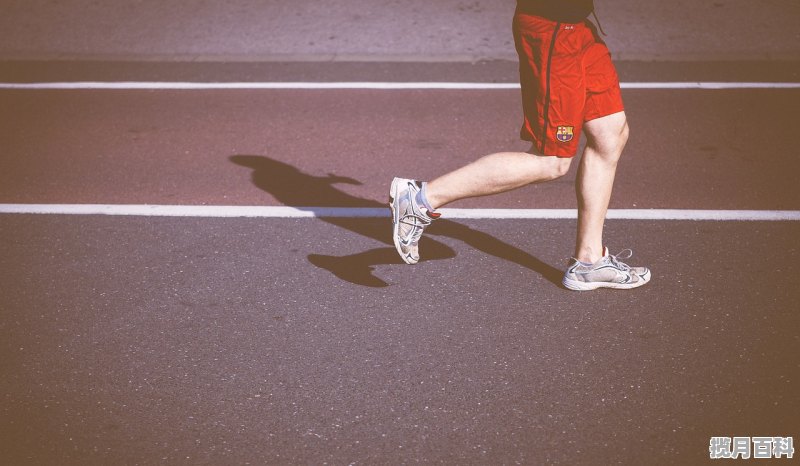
point(292, 187)
point(357, 268)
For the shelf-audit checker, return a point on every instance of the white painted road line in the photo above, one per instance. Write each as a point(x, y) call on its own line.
point(709, 85)
point(348, 212)
point(366, 85)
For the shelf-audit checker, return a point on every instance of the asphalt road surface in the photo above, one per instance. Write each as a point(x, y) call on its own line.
point(197, 340)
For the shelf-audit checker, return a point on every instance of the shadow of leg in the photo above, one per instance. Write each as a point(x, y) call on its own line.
point(292, 187)
point(493, 246)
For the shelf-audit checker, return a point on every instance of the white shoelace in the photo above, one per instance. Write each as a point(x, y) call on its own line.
point(615, 259)
point(417, 226)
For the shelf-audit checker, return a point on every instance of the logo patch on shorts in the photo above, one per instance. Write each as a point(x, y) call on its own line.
point(565, 133)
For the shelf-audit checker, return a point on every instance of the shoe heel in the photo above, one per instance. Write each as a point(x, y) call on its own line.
point(575, 285)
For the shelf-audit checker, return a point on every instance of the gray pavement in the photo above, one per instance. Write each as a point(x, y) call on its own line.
point(274, 341)
point(688, 148)
point(384, 30)
point(190, 341)
point(306, 341)
point(503, 71)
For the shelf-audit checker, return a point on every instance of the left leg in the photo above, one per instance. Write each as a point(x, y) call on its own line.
point(593, 266)
point(605, 140)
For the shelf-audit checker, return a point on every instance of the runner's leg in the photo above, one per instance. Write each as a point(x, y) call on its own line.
point(605, 140)
point(495, 173)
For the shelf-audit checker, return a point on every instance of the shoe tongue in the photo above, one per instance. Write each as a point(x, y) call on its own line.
point(605, 251)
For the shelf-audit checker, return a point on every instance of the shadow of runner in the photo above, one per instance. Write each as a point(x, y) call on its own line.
point(490, 245)
point(294, 188)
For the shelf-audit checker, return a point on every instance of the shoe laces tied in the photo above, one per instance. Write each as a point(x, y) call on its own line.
point(417, 224)
point(624, 254)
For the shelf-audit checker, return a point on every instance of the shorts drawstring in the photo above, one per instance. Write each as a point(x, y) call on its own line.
point(600, 26)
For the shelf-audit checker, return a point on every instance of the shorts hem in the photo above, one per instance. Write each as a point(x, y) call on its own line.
point(535, 145)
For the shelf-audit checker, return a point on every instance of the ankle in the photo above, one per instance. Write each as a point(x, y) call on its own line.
point(589, 255)
point(423, 198)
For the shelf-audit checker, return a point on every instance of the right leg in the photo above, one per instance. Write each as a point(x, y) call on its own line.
point(413, 203)
point(495, 173)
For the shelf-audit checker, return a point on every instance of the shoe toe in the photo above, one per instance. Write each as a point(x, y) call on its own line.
point(410, 254)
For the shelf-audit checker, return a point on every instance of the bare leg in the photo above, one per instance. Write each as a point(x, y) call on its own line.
point(494, 173)
point(606, 138)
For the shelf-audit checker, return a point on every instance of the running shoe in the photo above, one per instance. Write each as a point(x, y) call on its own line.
point(608, 272)
point(409, 219)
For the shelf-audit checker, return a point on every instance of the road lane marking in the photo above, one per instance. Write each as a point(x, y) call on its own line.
point(135, 85)
point(210, 211)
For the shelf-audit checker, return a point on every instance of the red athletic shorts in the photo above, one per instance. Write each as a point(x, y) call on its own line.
point(567, 79)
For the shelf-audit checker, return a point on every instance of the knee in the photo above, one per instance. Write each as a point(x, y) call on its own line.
point(558, 168)
point(610, 148)
point(618, 144)
point(623, 136)
point(615, 140)
point(607, 138)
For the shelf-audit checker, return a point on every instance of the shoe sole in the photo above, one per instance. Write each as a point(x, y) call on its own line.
point(396, 225)
point(575, 285)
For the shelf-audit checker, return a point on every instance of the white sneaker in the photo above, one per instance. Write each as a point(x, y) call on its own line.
point(409, 219)
point(608, 272)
